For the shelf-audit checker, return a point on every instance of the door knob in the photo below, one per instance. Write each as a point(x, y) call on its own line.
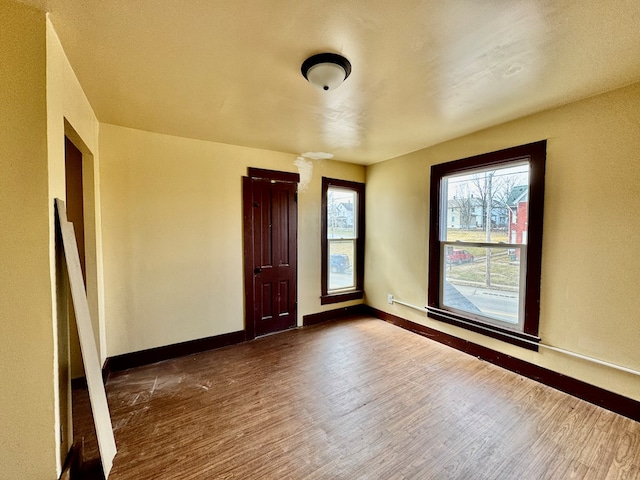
point(257, 270)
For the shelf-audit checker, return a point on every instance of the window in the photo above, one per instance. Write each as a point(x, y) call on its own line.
point(342, 240)
point(484, 270)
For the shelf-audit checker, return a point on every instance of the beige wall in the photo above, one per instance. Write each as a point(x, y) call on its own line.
point(69, 113)
point(590, 270)
point(27, 411)
point(172, 223)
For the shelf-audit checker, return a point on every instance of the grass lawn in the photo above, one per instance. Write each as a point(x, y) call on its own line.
point(454, 234)
point(503, 270)
point(477, 236)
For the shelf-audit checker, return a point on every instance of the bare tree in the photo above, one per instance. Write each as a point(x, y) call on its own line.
point(332, 211)
point(480, 186)
point(503, 186)
point(503, 191)
point(463, 202)
point(495, 193)
point(488, 184)
point(494, 189)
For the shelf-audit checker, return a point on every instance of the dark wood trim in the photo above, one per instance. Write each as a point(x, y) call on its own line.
point(75, 467)
point(248, 257)
point(341, 297)
point(535, 154)
point(522, 340)
point(72, 463)
point(324, 215)
point(273, 175)
point(336, 314)
point(106, 371)
point(537, 164)
point(359, 188)
point(79, 383)
point(598, 396)
point(433, 262)
point(158, 354)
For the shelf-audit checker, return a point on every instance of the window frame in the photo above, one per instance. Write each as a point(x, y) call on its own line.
point(357, 292)
point(535, 155)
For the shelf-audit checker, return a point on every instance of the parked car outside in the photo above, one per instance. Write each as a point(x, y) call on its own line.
point(339, 263)
point(459, 256)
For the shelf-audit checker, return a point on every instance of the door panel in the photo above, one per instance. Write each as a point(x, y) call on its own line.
point(283, 296)
point(270, 255)
point(266, 311)
point(281, 204)
point(263, 240)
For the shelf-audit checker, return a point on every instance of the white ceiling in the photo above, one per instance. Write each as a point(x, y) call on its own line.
point(424, 71)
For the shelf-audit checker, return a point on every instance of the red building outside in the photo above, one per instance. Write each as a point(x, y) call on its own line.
point(518, 217)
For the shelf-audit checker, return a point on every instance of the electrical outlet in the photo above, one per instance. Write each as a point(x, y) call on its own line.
point(390, 299)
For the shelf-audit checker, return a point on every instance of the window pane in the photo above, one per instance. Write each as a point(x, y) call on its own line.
point(341, 209)
point(342, 240)
point(486, 206)
point(341, 262)
point(484, 281)
point(486, 228)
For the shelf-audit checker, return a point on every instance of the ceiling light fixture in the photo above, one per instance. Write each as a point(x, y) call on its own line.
point(326, 70)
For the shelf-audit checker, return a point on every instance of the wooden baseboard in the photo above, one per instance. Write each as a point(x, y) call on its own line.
point(80, 383)
point(106, 371)
point(71, 467)
point(158, 354)
point(335, 314)
point(598, 396)
point(76, 468)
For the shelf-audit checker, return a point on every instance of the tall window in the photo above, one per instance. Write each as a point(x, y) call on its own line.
point(484, 263)
point(342, 240)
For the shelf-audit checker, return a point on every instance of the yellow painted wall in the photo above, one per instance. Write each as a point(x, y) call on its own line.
point(171, 212)
point(27, 407)
point(590, 266)
point(172, 233)
point(69, 113)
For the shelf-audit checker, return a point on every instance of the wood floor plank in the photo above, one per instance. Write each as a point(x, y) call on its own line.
point(356, 399)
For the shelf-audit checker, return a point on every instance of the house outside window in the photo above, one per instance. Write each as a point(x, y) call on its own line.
point(484, 271)
point(342, 240)
point(518, 208)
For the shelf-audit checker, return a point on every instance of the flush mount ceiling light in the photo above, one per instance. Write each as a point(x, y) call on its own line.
point(326, 70)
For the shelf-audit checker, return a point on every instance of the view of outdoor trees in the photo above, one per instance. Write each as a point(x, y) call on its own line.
point(341, 235)
point(486, 220)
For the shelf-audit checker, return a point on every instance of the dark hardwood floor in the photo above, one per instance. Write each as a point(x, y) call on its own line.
point(356, 399)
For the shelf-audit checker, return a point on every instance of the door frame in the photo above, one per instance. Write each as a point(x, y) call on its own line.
point(248, 235)
point(93, 285)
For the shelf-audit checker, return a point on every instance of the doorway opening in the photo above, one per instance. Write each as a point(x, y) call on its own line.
point(74, 201)
point(77, 426)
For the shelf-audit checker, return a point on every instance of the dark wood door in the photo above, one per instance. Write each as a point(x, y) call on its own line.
point(270, 219)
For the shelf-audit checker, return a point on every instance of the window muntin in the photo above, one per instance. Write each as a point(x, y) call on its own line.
point(342, 240)
point(485, 242)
